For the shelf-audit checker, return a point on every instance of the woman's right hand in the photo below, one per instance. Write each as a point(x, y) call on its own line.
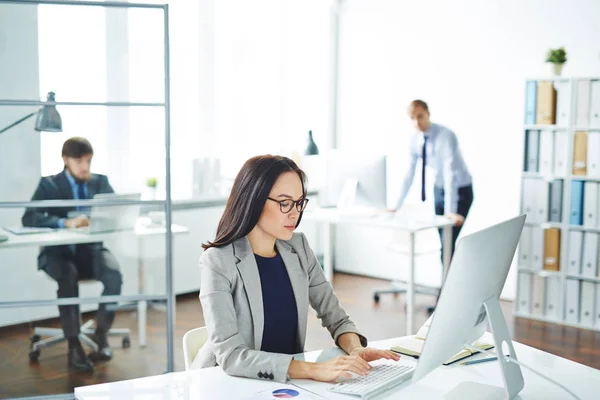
point(329, 371)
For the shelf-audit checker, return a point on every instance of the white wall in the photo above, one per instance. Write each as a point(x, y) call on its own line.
point(468, 59)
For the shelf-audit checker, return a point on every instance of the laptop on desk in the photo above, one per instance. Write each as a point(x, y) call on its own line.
point(112, 218)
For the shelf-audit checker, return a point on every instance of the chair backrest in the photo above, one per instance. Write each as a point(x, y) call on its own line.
point(192, 342)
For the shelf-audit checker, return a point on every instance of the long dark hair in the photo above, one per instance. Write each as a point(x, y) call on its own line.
point(249, 194)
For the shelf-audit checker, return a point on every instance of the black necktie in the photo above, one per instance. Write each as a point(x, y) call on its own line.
point(424, 158)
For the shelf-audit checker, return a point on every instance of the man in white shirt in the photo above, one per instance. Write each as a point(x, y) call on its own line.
point(438, 148)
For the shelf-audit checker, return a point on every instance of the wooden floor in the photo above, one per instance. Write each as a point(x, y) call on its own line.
point(19, 377)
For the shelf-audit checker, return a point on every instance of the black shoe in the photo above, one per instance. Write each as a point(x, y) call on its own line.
point(78, 361)
point(104, 352)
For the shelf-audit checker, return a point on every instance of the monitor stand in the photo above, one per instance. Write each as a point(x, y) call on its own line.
point(511, 373)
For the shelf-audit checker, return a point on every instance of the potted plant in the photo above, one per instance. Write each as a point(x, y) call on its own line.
point(556, 58)
point(152, 183)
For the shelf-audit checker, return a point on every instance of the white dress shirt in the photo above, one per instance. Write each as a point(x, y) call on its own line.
point(445, 157)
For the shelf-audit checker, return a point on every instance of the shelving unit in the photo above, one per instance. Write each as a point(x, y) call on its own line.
point(550, 160)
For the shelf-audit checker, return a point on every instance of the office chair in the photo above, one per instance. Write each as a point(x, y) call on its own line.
point(193, 341)
point(56, 336)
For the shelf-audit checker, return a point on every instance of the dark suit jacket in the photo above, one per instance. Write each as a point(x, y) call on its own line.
point(57, 187)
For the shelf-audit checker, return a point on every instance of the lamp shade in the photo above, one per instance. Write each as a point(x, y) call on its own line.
point(48, 118)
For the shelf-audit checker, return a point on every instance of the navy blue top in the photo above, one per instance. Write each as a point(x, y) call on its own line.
point(280, 333)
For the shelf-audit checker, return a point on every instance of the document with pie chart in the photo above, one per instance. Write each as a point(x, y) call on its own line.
point(284, 392)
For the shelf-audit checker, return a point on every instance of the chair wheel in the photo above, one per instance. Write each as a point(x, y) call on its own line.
point(35, 338)
point(34, 355)
point(126, 343)
point(376, 298)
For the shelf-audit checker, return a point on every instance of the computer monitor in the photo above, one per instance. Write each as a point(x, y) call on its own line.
point(469, 297)
point(354, 178)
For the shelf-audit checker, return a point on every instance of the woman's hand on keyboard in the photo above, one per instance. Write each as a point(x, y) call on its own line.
point(329, 371)
point(369, 354)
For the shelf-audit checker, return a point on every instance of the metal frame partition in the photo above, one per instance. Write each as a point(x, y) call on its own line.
point(169, 296)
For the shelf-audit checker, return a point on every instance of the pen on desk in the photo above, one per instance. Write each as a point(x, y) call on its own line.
point(479, 361)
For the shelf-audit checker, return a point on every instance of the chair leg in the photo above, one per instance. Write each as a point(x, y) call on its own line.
point(47, 331)
point(88, 341)
point(51, 341)
point(398, 287)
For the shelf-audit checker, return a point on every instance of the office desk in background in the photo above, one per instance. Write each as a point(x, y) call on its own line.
point(334, 216)
point(68, 237)
point(214, 383)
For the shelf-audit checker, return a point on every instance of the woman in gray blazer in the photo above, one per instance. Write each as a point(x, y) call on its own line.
point(258, 278)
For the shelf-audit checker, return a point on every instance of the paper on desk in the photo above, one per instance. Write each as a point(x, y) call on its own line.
point(284, 392)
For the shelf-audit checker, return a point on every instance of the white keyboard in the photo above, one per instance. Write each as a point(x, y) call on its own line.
point(380, 378)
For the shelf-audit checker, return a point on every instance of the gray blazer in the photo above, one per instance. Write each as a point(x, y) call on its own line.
point(231, 297)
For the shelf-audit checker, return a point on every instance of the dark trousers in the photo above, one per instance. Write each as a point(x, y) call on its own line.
point(87, 262)
point(465, 199)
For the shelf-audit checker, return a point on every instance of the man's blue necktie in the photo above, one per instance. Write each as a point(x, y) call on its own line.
point(424, 158)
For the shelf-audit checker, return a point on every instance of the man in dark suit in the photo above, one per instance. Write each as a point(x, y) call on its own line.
point(70, 263)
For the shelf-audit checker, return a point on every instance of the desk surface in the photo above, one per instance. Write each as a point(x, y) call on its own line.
point(376, 218)
point(68, 236)
point(214, 383)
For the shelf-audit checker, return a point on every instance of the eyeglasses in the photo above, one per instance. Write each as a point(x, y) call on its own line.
point(286, 206)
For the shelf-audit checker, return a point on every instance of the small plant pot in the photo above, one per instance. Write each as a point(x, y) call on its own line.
point(555, 69)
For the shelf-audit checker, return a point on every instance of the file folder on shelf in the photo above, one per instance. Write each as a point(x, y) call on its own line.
point(561, 145)
point(556, 193)
point(537, 248)
point(563, 102)
point(552, 300)
point(530, 102)
point(525, 248)
point(546, 103)
point(575, 218)
point(580, 154)
point(552, 249)
point(587, 305)
point(572, 301)
point(597, 308)
point(575, 252)
point(537, 295)
point(546, 155)
point(589, 261)
point(590, 204)
point(524, 294)
point(593, 154)
point(532, 151)
point(595, 105)
point(583, 103)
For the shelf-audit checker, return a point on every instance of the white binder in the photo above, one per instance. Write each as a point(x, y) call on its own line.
point(563, 102)
point(552, 298)
point(595, 105)
point(588, 300)
point(583, 103)
point(589, 262)
point(575, 252)
point(593, 154)
point(597, 323)
point(525, 248)
point(537, 295)
point(561, 144)
point(542, 199)
point(537, 248)
point(529, 201)
point(590, 204)
point(524, 293)
point(546, 157)
point(572, 301)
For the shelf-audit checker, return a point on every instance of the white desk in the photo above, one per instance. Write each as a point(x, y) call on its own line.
point(67, 237)
point(333, 216)
point(216, 384)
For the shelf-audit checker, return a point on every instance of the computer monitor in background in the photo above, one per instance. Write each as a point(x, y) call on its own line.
point(469, 297)
point(354, 178)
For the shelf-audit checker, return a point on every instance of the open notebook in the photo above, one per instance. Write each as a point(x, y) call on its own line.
point(413, 345)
